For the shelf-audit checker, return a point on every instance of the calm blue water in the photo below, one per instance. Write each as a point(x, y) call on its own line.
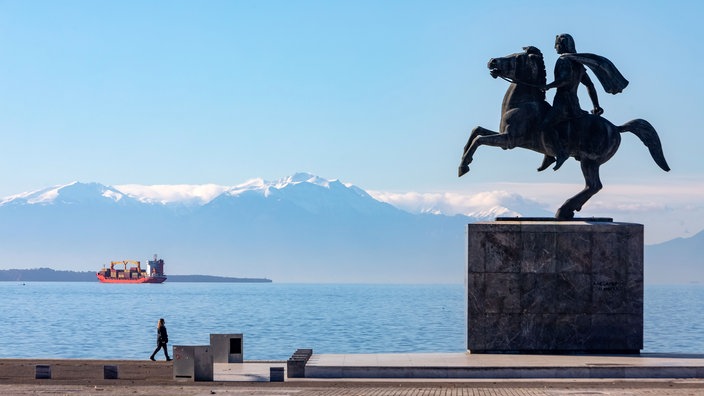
point(94, 320)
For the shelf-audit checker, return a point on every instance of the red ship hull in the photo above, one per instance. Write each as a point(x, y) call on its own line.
point(148, 279)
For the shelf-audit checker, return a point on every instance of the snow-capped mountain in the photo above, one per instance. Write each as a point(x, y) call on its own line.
point(74, 193)
point(304, 190)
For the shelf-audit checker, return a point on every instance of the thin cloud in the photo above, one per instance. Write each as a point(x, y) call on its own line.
point(670, 210)
point(451, 203)
point(176, 193)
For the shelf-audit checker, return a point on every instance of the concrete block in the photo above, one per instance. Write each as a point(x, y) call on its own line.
point(110, 372)
point(42, 371)
point(227, 348)
point(296, 364)
point(193, 362)
point(276, 374)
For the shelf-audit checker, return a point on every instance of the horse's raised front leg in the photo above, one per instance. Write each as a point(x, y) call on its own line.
point(590, 170)
point(472, 143)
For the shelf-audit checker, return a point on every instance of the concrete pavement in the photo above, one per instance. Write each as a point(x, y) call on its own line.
point(355, 388)
point(378, 374)
point(466, 365)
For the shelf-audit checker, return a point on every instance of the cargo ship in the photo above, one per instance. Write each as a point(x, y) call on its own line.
point(135, 274)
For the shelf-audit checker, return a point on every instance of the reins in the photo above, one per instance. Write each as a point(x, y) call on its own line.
point(514, 81)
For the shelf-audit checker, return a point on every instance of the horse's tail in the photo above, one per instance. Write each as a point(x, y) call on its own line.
point(647, 134)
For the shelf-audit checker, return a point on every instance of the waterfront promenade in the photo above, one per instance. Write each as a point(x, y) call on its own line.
point(506, 388)
point(86, 377)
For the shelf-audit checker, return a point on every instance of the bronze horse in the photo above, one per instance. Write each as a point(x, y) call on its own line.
point(591, 139)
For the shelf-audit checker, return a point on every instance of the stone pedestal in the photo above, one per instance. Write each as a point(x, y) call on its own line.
point(554, 287)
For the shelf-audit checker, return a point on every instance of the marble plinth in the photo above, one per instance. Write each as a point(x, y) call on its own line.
point(554, 287)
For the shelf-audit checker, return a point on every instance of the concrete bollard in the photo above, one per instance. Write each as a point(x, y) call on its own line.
point(276, 374)
point(110, 372)
point(42, 371)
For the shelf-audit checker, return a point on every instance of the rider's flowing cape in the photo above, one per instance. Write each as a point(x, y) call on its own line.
point(610, 78)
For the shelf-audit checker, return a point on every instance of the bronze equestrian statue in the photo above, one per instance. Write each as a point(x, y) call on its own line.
point(562, 130)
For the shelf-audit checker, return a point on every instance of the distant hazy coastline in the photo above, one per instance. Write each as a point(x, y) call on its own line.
point(51, 275)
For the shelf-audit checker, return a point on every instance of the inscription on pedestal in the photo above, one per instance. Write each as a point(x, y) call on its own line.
point(554, 287)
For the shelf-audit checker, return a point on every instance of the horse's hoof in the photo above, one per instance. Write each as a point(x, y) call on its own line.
point(462, 170)
point(564, 214)
point(547, 161)
point(559, 161)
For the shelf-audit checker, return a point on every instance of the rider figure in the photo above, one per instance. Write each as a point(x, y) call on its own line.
point(568, 75)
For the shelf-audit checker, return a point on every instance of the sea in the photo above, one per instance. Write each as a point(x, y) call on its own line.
point(86, 320)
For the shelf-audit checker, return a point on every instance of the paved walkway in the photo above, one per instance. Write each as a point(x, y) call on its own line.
point(538, 388)
point(142, 378)
point(466, 365)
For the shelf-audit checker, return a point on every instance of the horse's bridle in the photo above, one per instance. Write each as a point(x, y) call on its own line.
point(515, 81)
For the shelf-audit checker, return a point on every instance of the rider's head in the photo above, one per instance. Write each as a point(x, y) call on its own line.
point(564, 44)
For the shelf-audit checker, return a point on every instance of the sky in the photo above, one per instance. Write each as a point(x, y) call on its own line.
point(380, 94)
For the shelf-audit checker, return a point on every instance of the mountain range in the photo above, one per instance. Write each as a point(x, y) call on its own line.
point(301, 228)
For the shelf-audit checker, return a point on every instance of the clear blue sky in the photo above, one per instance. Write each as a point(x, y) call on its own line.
point(381, 94)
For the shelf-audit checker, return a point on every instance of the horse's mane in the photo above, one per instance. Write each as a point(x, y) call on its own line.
point(542, 78)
